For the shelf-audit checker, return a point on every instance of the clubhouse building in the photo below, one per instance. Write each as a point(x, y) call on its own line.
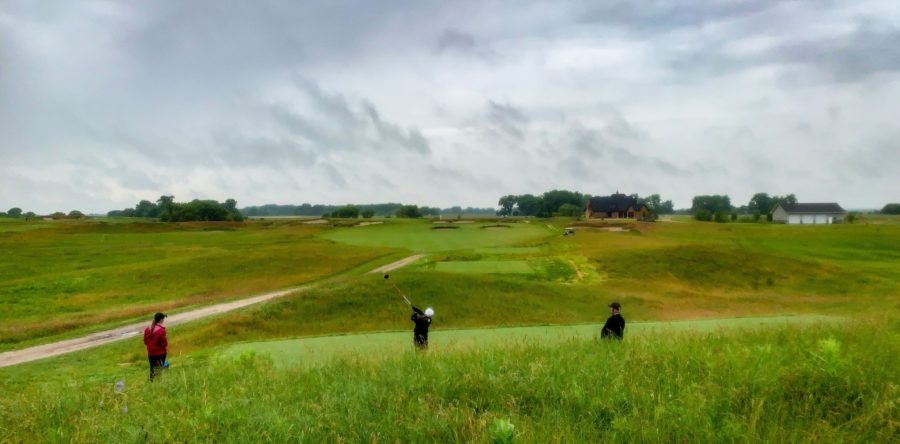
point(616, 206)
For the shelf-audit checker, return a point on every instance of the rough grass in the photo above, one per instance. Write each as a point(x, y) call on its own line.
point(73, 276)
point(825, 383)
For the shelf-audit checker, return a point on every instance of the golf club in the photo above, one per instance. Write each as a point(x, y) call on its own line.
point(387, 277)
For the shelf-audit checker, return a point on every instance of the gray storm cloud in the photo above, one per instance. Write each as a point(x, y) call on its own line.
point(446, 103)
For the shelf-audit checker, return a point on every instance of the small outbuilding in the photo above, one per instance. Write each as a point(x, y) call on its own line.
point(808, 213)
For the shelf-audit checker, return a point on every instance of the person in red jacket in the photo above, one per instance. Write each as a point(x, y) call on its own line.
point(157, 343)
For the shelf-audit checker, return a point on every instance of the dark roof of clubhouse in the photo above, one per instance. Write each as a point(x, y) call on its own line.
point(616, 202)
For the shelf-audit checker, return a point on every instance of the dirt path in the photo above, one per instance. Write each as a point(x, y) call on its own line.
point(398, 264)
point(102, 337)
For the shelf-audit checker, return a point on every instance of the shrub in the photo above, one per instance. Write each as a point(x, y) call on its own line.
point(367, 214)
point(702, 215)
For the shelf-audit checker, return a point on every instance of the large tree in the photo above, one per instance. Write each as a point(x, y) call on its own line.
point(528, 204)
point(762, 203)
point(711, 203)
point(410, 211)
point(14, 212)
point(891, 208)
point(552, 200)
point(506, 204)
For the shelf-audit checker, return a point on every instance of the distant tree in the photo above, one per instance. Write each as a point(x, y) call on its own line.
point(720, 216)
point(14, 212)
point(75, 214)
point(145, 208)
point(2, 214)
point(409, 211)
point(760, 203)
point(528, 204)
point(702, 215)
point(367, 213)
point(58, 215)
point(326, 215)
point(851, 217)
point(347, 211)
point(569, 210)
point(733, 217)
point(711, 204)
point(166, 205)
point(430, 211)
point(891, 208)
point(552, 200)
point(506, 205)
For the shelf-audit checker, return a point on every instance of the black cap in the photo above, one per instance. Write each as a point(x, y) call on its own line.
point(615, 305)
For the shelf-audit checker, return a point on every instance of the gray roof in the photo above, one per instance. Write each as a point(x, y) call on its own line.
point(810, 208)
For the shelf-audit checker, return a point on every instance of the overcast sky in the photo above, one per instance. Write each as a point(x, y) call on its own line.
point(446, 103)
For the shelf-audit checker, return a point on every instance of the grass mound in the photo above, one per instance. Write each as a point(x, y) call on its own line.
point(704, 265)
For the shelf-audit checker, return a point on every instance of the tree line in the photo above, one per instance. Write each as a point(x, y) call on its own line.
point(567, 203)
point(167, 210)
point(360, 210)
point(718, 207)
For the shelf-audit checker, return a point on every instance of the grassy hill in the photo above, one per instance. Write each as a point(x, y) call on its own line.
point(310, 381)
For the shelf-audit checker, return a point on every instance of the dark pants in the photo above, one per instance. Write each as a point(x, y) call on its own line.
point(421, 341)
point(156, 364)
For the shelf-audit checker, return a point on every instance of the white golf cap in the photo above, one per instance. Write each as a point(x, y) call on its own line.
point(429, 312)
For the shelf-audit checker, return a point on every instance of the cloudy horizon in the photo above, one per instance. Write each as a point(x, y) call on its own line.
point(103, 104)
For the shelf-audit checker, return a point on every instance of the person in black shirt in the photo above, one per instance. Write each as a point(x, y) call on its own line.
point(423, 321)
point(615, 325)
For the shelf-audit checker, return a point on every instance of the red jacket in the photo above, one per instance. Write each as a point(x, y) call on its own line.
point(156, 340)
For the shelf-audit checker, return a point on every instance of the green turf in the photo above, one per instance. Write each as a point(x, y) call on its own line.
point(485, 267)
point(423, 236)
point(320, 350)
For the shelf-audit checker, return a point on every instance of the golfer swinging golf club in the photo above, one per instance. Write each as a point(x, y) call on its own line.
point(423, 321)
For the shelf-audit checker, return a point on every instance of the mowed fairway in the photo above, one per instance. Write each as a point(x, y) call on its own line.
point(425, 237)
point(317, 351)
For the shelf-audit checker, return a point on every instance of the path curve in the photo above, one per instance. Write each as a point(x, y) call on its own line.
point(395, 265)
point(103, 337)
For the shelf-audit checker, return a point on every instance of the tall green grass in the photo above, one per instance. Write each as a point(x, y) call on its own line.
point(825, 383)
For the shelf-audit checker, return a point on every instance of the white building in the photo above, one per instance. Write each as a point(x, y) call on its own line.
point(808, 213)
